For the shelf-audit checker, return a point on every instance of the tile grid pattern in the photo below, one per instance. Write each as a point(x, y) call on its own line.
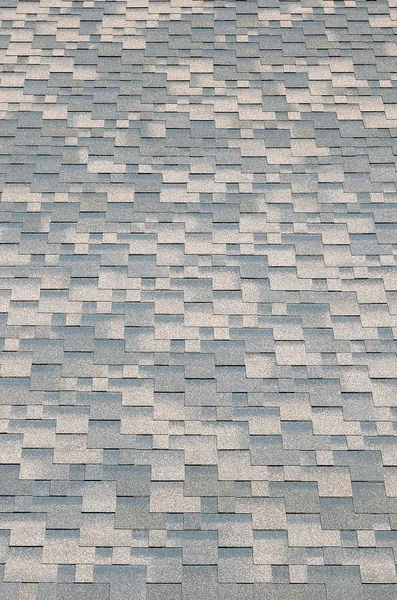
point(198, 300)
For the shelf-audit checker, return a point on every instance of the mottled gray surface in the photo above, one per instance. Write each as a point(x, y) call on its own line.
point(198, 300)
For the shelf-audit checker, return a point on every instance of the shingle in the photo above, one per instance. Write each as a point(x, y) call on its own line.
point(199, 302)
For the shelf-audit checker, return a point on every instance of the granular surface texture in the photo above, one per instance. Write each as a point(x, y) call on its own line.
point(198, 300)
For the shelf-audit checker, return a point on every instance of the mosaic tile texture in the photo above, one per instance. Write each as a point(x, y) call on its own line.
point(198, 300)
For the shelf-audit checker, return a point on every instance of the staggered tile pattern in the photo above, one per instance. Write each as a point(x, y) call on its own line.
point(198, 300)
